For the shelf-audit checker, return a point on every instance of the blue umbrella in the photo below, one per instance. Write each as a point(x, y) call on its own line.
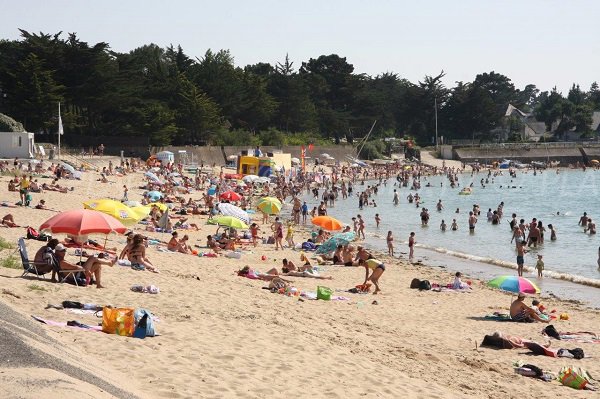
point(152, 176)
point(212, 190)
point(154, 195)
point(68, 167)
point(338, 239)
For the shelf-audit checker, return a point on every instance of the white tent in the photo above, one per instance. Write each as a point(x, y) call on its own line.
point(165, 157)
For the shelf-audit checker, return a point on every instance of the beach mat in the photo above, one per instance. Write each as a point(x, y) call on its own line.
point(62, 324)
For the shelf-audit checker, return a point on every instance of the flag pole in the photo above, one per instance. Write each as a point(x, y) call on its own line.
point(59, 130)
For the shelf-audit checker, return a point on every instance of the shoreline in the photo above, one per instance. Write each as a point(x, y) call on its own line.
point(218, 330)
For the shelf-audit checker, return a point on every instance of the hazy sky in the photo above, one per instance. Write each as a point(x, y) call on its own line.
point(544, 42)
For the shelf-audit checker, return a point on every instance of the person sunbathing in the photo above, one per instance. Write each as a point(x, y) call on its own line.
point(213, 244)
point(523, 313)
point(182, 224)
point(174, 244)
point(41, 205)
point(9, 221)
point(137, 254)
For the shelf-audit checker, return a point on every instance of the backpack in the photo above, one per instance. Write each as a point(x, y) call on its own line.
point(415, 283)
point(424, 285)
point(551, 332)
point(144, 325)
point(33, 234)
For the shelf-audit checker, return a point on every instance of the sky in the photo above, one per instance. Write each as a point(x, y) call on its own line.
point(543, 42)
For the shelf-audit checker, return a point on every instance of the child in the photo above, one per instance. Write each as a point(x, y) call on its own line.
point(454, 225)
point(390, 243)
point(411, 245)
point(254, 232)
point(540, 266)
point(377, 219)
point(289, 237)
point(443, 225)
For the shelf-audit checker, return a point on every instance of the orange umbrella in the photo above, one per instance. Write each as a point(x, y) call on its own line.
point(327, 222)
point(81, 222)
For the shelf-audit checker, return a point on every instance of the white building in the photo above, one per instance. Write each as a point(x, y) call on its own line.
point(17, 145)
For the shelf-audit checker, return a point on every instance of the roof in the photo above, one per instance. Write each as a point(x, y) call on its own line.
point(511, 109)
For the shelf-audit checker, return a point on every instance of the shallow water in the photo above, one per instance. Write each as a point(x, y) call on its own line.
point(572, 257)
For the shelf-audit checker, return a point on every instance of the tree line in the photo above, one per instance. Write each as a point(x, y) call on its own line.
point(172, 98)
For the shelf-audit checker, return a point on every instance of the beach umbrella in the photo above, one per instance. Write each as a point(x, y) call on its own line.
point(262, 180)
point(228, 221)
point(269, 205)
point(141, 211)
point(113, 208)
point(132, 204)
point(68, 167)
point(249, 178)
point(212, 190)
point(173, 174)
point(81, 222)
point(295, 160)
point(235, 211)
point(514, 284)
point(327, 223)
point(338, 239)
point(154, 195)
point(160, 205)
point(230, 196)
point(152, 176)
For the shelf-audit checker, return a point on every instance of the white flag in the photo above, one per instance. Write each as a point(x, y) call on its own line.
point(61, 131)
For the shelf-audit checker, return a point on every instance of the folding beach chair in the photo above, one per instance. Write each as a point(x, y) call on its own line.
point(29, 266)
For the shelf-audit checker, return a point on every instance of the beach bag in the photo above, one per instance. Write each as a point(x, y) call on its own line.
point(424, 285)
point(574, 377)
point(324, 293)
point(415, 283)
point(118, 321)
point(144, 325)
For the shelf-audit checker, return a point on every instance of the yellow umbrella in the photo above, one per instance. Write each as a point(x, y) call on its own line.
point(161, 206)
point(116, 209)
point(269, 205)
point(141, 211)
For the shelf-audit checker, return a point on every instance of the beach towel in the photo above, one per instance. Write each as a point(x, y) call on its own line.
point(77, 326)
point(498, 316)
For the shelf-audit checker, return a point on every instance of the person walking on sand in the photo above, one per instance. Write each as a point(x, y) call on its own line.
point(540, 266)
point(411, 245)
point(277, 228)
point(377, 268)
point(390, 243)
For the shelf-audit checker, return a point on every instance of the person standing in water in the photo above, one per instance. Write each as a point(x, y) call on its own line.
point(377, 219)
point(520, 257)
point(396, 199)
point(390, 243)
point(540, 266)
point(472, 221)
point(583, 221)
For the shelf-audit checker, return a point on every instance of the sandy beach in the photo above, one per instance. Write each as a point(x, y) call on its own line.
point(224, 336)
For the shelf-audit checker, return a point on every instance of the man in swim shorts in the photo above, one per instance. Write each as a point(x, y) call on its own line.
point(472, 221)
point(522, 313)
point(520, 256)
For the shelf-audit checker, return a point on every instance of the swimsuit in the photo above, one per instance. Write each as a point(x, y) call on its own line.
point(520, 260)
point(522, 317)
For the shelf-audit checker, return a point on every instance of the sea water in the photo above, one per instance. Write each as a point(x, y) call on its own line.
point(571, 267)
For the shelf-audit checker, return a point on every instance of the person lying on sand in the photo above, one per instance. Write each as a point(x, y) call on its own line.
point(523, 313)
point(9, 221)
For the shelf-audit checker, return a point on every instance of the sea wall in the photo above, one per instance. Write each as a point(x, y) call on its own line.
point(564, 153)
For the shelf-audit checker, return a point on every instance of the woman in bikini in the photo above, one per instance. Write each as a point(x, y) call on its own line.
point(137, 254)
